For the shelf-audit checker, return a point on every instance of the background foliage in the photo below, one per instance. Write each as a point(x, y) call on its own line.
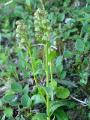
point(45, 57)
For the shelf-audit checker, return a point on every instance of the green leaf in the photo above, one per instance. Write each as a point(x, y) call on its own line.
point(14, 103)
point(67, 83)
point(41, 91)
point(62, 92)
point(46, 91)
point(54, 105)
point(59, 65)
point(61, 115)
point(16, 87)
point(8, 112)
point(61, 17)
point(38, 99)
point(70, 104)
point(86, 27)
point(53, 84)
point(67, 54)
point(26, 89)
point(78, 58)
point(79, 45)
point(59, 61)
point(51, 55)
point(63, 75)
point(49, 91)
point(11, 99)
point(25, 100)
point(8, 98)
point(39, 116)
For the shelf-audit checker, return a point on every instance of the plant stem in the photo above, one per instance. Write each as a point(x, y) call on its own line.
point(47, 72)
point(47, 79)
point(51, 71)
point(32, 65)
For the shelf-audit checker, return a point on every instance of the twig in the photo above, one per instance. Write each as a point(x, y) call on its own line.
point(54, 47)
point(5, 4)
point(9, 2)
point(3, 89)
point(35, 45)
point(84, 103)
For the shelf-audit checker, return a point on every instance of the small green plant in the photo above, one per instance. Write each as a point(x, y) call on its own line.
point(46, 94)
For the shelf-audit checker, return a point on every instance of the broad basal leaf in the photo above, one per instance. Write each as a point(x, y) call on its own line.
point(39, 116)
point(38, 99)
point(61, 115)
point(79, 45)
point(8, 98)
point(8, 112)
point(26, 89)
point(62, 92)
point(25, 100)
point(16, 87)
point(54, 105)
point(67, 54)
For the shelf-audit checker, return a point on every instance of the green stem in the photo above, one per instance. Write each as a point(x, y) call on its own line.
point(51, 71)
point(32, 65)
point(47, 79)
point(47, 72)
